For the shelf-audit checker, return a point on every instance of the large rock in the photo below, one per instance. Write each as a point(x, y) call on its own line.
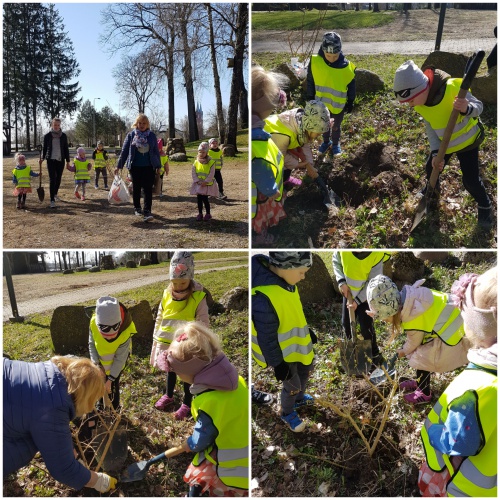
point(229, 150)
point(107, 262)
point(368, 82)
point(235, 299)
point(68, 271)
point(318, 284)
point(178, 157)
point(484, 87)
point(142, 317)
point(476, 257)
point(453, 64)
point(94, 269)
point(69, 330)
point(435, 257)
point(131, 264)
point(144, 262)
point(175, 146)
point(406, 268)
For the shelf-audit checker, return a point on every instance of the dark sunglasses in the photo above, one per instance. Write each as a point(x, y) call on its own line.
point(107, 328)
point(404, 93)
point(331, 50)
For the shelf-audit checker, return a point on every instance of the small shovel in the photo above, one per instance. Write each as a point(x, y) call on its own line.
point(378, 376)
point(138, 471)
point(40, 191)
point(470, 72)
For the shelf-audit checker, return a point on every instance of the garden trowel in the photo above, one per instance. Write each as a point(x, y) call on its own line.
point(470, 72)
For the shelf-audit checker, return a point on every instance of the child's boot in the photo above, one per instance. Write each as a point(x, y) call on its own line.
point(207, 217)
point(307, 400)
point(199, 217)
point(77, 194)
point(293, 421)
point(183, 412)
point(163, 402)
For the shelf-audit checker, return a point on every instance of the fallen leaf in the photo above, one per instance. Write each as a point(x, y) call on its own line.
point(254, 484)
point(324, 488)
point(289, 465)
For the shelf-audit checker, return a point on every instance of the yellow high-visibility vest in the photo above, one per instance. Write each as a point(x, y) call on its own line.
point(217, 157)
point(99, 161)
point(203, 169)
point(466, 130)
point(229, 413)
point(477, 474)
point(23, 177)
point(81, 172)
point(331, 83)
point(275, 126)
point(164, 160)
point(357, 271)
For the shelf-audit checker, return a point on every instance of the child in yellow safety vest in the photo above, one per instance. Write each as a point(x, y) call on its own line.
point(110, 342)
point(81, 168)
point(433, 95)
point(434, 330)
point(220, 409)
point(21, 177)
point(204, 183)
point(164, 164)
point(100, 157)
point(184, 300)
point(217, 155)
point(460, 433)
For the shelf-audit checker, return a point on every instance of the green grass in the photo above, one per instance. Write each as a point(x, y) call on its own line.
point(296, 20)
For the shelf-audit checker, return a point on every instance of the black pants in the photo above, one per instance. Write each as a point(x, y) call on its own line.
point(55, 169)
point(469, 165)
point(218, 178)
point(203, 200)
point(171, 381)
point(334, 133)
point(114, 395)
point(143, 178)
point(98, 171)
point(21, 198)
point(365, 323)
point(424, 381)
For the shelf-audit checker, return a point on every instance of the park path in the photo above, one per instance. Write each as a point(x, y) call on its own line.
point(48, 303)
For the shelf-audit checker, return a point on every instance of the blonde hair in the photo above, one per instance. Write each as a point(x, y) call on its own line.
point(85, 381)
point(201, 343)
point(57, 119)
point(485, 290)
point(267, 83)
point(141, 117)
point(396, 326)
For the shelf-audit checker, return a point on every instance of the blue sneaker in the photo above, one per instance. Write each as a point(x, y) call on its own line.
point(307, 400)
point(336, 150)
point(293, 421)
point(322, 149)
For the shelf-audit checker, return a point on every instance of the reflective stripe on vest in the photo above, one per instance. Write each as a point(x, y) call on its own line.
point(293, 333)
point(356, 271)
point(229, 413)
point(441, 320)
point(466, 130)
point(331, 83)
point(273, 125)
point(81, 172)
point(217, 157)
point(23, 177)
point(175, 313)
point(477, 475)
point(270, 153)
point(99, 161)
point(107, 350)
point(202, 170)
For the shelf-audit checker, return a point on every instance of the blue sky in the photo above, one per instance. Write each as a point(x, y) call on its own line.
point(82, 21)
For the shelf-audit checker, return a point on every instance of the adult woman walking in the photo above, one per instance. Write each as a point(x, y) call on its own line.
point(141, 155)
point(39, 401)
point(55, 151)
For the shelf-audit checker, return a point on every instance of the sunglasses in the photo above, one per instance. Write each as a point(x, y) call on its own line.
point(404, 93)
point(108, 328)
point(331, 50)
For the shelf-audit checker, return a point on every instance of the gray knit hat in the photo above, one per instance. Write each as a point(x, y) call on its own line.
point(108, 314)
point(383, 297)
point(290, 260)
point(409, 82)
point(332, 43)
point(182, 266)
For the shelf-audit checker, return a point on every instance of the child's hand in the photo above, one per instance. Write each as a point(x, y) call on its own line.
point(401, 353)
point(436, 165)
point(274, 196)
point(204, 183)
point(107, 385)
point(461, 104)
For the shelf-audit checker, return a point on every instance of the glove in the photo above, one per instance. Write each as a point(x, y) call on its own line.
point(104, 483)
point(349, 106)
point(282, 371)
point(314, 337)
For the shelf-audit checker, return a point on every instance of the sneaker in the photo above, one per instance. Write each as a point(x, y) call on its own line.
point(207, 217)
point(199, 217)
point(322, 149)
point(183, 412)
point(417, 397)
point(305, 401)
point(56, 198)
point(52, 204)
point(221, 196)
point(261, 398)
point(147, 216)
point(163, 402)
point(106, 187)
point(138, 212)
point(336, 150)
point(408, 385)
point(484, 218)
point(83, 197)
point(293, 421)
point(77, 195)
point(293, 182)
point(96, 187)
point(18, 205)
point(23, 204)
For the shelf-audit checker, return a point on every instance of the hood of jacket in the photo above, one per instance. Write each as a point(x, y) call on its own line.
point(485, 357)
point(219, 375)
point(263, 276)
point(438, 79)
point(416, 300)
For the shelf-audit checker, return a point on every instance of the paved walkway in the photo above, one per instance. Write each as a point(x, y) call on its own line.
point(462, 46)
point(44, 304)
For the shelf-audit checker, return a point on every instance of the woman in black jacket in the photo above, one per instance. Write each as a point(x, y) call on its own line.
point(55, 151)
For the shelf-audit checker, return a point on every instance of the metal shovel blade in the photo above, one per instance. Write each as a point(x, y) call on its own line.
point(117, 452)
point(136, 472)
point(420, 214)
point(378, 376)
point(355, 356)
point(41, 193)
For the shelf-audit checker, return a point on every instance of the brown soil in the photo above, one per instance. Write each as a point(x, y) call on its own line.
point(95, 223)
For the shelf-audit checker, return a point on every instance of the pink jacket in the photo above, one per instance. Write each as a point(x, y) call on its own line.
point(434, 356)
point(196, 188)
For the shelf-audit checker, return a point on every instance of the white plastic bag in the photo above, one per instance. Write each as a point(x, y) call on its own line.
point(299, 68)
point(119, 192)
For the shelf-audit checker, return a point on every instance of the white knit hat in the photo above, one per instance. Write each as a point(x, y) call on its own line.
point(107, 312)
point(383, 297)
point(409, 82)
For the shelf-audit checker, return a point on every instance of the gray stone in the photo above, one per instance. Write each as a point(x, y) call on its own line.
point(406, 268)
point(317, 286)
point(229, 150)
point(368, 82)
point(68, 271)
point(484, 87)
point(94, 269)
point(144, 262)
point(235, 299)
point(131, 264)
point(107, 262)
point(436, 257)
point(453, 64)
point(178, 157)
point(175, 146)
point(143, 318)
point(69, 330)
point(476, 257)
point(287, 70)
point(81, 269)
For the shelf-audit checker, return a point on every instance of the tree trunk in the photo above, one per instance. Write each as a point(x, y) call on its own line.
point(188, 81)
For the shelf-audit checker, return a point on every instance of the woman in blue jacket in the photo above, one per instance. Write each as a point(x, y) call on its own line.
point(39, 401)
point(141, 156)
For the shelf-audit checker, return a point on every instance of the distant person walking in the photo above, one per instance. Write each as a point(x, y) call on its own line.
point(100, 156)
point(141, 156)
point(55, 151)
